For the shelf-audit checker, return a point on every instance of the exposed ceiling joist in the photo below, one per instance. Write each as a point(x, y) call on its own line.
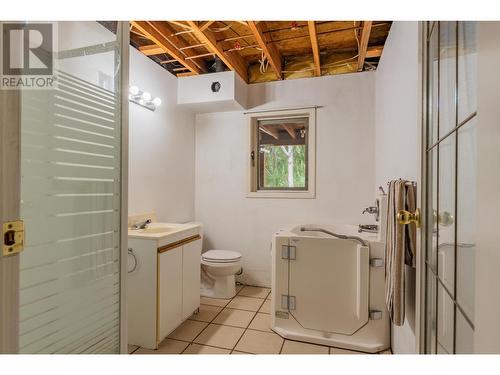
point(363, 44)
point(315, 48)
point(158, 32)
point(232, 59)
point(206, 25)
point(375, 51)
point(151, 50)
point(270, 50)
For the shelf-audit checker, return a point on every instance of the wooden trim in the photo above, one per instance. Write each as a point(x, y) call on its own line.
point(315, 48)
point(363, 44)
point(176, 244)
point(159, 33)
point(269, 48)
point(232, 59)
point(157, 300)
point(10, 189)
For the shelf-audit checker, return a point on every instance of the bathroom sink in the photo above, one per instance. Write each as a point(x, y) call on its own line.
point(158, 230)
point(154, 230)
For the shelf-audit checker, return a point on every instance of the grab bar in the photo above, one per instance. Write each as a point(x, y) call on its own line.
point(341, 236)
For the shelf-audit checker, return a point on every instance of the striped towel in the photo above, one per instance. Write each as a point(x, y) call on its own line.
point(400, 247)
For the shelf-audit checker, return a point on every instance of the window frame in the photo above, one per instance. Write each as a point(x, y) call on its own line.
point(252, 165)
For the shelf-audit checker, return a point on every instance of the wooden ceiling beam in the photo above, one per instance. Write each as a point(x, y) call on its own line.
point(151, 50)
point(159, 36)
point(363, 44)
point(269, 48)
point(232, 59)
point(315, 47)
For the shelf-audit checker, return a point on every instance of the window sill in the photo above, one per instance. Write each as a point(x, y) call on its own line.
point(282, 194)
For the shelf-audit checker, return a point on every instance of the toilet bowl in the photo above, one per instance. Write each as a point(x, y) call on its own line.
point(219, 268)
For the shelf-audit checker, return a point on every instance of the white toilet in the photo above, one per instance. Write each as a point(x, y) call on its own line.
point(219, 268)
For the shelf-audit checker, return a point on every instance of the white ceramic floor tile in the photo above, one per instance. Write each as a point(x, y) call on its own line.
point(188, 330)
point(167, 346)
point(295, 347)
point(207, 313)
point(236, 318)
point(214, 301)
point(261, 322)
point(254, 291)
point(266, 307)
point(220, 336)
point(205, 349)
point(258, 342)
point(245, 303)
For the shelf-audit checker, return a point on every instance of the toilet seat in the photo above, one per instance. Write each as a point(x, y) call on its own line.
point(220, 256)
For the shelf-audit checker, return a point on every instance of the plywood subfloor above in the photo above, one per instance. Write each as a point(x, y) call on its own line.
point(261, 51)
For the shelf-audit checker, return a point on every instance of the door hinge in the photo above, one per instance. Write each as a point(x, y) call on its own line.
point(13, 237)
point(375, 314)
point(287, 302)
point(376, 262)
point(288, 252)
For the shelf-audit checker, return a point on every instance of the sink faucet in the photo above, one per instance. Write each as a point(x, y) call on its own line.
point(141, 224)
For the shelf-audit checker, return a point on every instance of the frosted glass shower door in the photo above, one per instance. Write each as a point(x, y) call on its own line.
point(69, 280)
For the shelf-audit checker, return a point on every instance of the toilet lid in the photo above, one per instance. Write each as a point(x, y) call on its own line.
point(221, 256)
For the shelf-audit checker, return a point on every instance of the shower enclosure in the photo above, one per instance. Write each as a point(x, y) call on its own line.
point(63, 292)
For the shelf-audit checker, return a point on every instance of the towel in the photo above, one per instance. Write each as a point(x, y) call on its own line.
point(400, 247)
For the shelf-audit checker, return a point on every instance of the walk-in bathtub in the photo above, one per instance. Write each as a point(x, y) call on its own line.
point(330, 291)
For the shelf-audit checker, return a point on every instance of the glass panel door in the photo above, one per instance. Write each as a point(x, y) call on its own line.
point(70, 197)
point(449, 172)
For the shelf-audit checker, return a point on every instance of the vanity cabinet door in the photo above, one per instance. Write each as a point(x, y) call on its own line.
point(191, 263)
point(169, 291)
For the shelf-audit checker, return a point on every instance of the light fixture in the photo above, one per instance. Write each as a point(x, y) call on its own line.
point(143, 98)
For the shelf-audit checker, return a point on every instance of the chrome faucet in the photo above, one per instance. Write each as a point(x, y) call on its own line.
point(374, 210)
point(141, 224)
point(370, 228)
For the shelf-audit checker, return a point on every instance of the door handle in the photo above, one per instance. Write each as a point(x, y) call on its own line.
point(405, 217)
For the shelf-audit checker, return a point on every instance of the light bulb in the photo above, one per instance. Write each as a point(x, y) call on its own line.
point(134, 90)
point(141, 102)
point(156, 101)
point(146, 96)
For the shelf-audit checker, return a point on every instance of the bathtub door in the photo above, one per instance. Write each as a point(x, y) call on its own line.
point(328, 284)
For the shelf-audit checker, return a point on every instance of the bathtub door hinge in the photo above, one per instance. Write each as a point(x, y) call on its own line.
point(287, 302)
point(288, 252)
point(376, 262)
point(375, 314)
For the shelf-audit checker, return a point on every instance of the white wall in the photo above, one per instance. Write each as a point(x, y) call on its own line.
point(161, 159)
point(397, 138)
point(487, 303)
point(345, 167)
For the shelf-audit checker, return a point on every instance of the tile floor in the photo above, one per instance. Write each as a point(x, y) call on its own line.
point(234, 326)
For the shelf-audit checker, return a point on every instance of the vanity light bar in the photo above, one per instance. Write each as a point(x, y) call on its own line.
point(143, 98)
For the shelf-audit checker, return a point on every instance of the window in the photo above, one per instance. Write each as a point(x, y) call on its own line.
point(282, 154)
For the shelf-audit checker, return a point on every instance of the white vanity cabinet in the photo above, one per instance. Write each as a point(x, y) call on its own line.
point(164, 289)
